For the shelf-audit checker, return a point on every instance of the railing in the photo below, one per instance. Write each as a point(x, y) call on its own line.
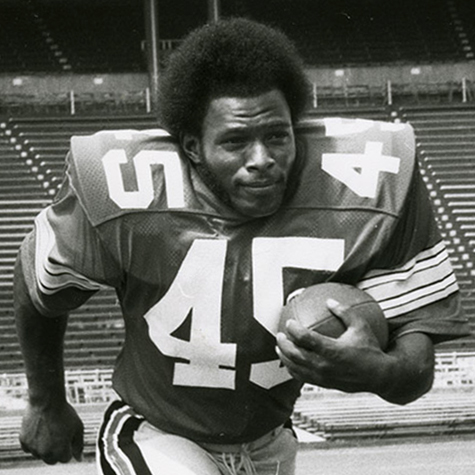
point(92, 386)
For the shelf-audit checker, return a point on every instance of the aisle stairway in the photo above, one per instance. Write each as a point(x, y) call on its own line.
point(446, 147)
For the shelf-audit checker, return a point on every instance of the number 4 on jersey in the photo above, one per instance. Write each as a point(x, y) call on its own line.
point(360, 171)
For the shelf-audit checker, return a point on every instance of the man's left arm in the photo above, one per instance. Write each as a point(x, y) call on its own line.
point(410, 369)
point(412, 280)
point(354, 362)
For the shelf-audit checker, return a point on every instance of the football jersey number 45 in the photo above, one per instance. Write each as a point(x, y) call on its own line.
point(197, 290)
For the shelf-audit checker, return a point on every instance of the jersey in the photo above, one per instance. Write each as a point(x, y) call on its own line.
point(201, 287)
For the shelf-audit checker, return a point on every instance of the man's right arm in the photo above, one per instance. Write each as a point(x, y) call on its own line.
point(51, 429)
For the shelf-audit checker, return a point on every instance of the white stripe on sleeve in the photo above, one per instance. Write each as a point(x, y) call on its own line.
point(425, 279)
point(51, 275)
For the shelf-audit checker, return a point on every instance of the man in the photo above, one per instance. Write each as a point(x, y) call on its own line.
point(204, 231)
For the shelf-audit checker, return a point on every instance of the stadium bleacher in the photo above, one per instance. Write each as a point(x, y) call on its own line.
point(77, 37)
point(80, 37)
point(446, 145)
point(22, 46)
point(345, 32)
point(109, 39)
point(41, 144)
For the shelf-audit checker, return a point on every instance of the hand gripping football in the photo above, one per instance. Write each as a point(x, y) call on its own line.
point(310, 309)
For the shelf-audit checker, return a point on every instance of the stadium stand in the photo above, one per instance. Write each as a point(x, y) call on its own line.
point(345, 32)
point(103, 40)
point(32, 165)
point(60, 37)
point(41, 144)
point(446, 145)
point(364, 416)
point(21, 195)
point(22, 46)
point(74, 36)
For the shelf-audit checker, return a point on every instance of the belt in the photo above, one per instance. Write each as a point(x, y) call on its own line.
point(237, 448)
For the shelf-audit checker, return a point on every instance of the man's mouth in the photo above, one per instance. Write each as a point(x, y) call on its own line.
point(261, 187)
point(260, 184)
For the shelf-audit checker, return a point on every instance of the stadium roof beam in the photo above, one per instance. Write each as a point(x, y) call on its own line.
point(214, 10)
point(153, 40)
point(152, 47)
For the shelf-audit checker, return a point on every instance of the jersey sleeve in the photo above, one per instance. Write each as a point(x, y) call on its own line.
point(413, 279)
point(63, 259)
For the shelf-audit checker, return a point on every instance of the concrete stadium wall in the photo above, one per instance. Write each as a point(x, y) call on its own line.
point(41, 85)
point(377, 76)
point(397, 74)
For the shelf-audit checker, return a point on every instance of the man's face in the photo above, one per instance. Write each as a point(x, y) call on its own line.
point(247, 147)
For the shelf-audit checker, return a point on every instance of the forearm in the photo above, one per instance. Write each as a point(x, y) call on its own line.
point(409, 369)
point(41, 341)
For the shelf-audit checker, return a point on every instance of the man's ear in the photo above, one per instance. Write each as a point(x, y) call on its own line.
point(191, 146)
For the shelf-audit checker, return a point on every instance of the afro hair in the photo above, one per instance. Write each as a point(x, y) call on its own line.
point(234, 58)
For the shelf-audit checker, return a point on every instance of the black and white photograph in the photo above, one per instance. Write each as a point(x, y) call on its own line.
point(237, 237)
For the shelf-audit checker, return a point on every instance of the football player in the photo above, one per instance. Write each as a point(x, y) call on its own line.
point(204, 227)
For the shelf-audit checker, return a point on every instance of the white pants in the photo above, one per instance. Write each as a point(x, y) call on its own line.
point(129, 445)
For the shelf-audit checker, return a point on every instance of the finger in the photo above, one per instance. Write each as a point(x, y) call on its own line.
point(35, 454)
point(29, 450)
point(25, 447)
point(289, 352)
point(355, 322)
point(305, 338)
point(281, 356)
point(65, 456)
point(292, 367)
point(298, 368)
point(50, 459)
point(77, 445)
point(337, 308)
point(344, 313)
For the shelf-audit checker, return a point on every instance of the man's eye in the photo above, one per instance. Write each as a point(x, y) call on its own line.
point(234, 142)
point(278, 137)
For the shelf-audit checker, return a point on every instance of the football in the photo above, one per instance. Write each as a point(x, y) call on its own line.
point(310, 309)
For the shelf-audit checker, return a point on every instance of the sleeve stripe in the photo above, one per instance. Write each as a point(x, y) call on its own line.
point(429, 258)
point(425, 279)
point(415, 300)
point(52, 276)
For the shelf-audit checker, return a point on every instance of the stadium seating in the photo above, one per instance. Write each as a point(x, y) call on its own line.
point(87, 36)
point(22, 46)
point(345, 32)
point(365, 416)
point(446, 146)
point(32, 160)
point(37, 147)
point(331, 416)
point(60, 37)
point(96, 38)
point(21, 195)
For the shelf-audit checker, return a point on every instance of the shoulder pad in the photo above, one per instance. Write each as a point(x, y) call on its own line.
point(118, 172)
point(355, 162)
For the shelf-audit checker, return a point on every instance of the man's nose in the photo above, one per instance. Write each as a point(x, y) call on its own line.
point(259, 157)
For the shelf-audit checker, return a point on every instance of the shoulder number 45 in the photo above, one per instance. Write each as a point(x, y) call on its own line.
point(359, 172)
